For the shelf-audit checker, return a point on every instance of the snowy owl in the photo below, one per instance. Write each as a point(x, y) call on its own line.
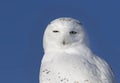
point(68, 58)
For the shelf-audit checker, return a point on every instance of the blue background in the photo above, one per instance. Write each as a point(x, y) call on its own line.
point(22, 23)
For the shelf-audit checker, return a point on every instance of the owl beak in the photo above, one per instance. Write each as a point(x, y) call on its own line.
point(63, 42)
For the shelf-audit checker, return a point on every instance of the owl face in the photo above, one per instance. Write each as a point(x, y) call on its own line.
point(64, 32)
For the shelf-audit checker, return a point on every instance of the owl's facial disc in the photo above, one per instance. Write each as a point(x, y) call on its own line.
point(64, 33)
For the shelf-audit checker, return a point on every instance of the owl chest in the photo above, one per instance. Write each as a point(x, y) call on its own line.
point(77, 68)
point(72, 63)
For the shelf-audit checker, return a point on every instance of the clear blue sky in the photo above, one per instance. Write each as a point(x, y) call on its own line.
point(22, 23)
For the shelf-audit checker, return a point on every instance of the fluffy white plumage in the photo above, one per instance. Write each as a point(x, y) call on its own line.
point(68, 58)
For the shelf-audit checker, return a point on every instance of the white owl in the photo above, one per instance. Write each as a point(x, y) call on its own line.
point(68, 58)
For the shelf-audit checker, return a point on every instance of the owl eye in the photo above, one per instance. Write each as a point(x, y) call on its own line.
point(55, 31)
point(73, 32)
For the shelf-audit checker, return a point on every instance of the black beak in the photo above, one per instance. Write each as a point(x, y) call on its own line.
point(64, 43)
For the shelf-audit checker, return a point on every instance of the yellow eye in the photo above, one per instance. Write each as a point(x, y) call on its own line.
point(73, 32)
point(55, 31)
